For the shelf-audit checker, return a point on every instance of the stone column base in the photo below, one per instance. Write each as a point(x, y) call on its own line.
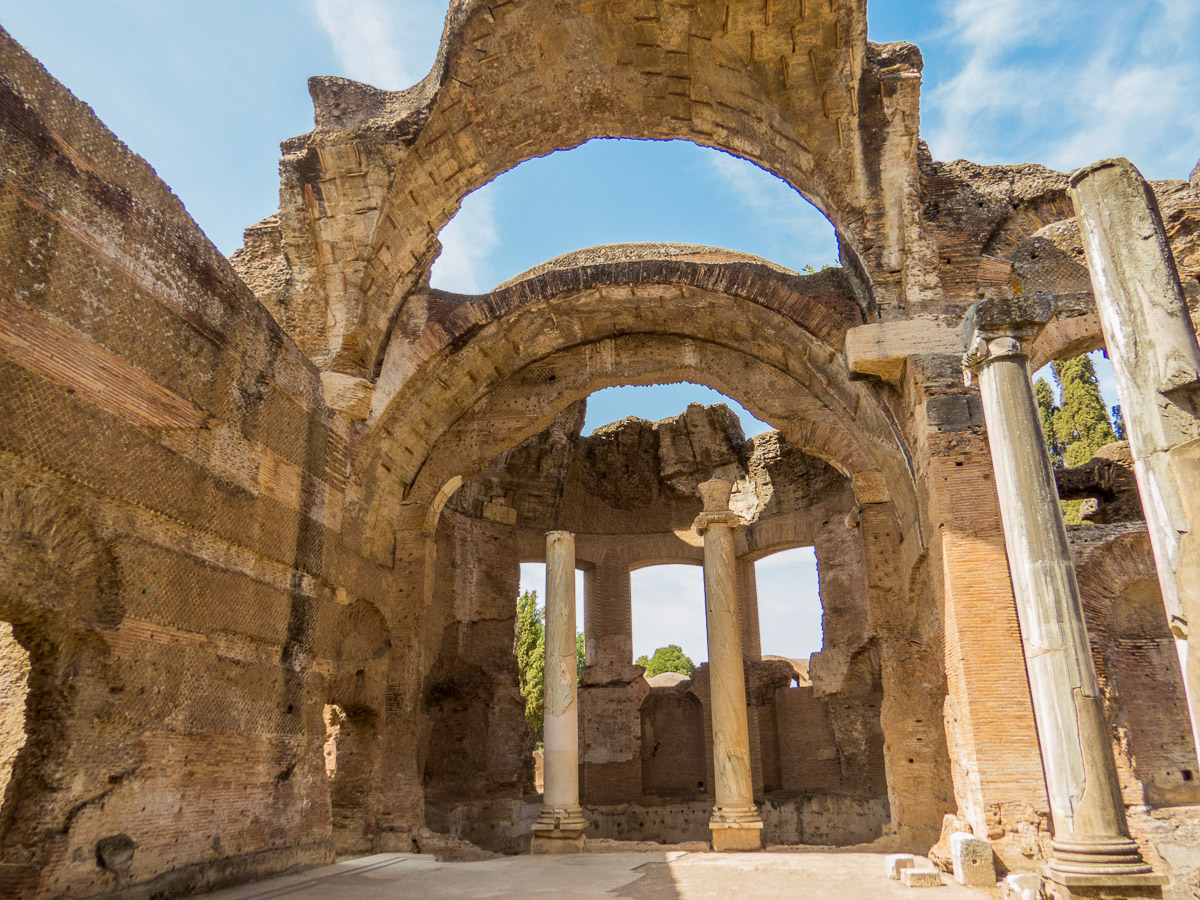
point(736, 829)
point(559, 830)
point(1099, 886)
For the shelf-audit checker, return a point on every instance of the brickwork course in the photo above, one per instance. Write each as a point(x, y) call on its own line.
point(261, 518)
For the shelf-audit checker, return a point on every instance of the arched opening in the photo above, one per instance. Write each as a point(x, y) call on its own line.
point(672, 740)
point(351, 754)
point(628, 491)
point(625, 191)
point(789, 604)
point(668, 609)
point(1138, 668)
point(798, 110)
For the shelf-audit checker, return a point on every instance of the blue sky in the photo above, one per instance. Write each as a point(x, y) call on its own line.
point(206, 91)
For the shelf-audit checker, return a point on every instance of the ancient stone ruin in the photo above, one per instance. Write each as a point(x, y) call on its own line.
point(261, 518)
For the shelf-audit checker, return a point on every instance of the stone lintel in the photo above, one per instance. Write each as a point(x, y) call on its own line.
point(1029, 312)
point(870, 486)
point(880, 349)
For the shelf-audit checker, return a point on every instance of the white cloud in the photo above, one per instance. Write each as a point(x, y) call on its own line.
point(389, 44)
point(467, 243)
point(789, 603)
point(668, 608)
point(772, 201)
point(1068, 85)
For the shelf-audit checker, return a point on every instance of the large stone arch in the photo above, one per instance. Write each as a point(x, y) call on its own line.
point(801, 94)
point(498, 368)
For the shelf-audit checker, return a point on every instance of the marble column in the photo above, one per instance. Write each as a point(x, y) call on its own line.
point(736, 823)
point(1151, 341)
point(560, 826)
point(1091, 847)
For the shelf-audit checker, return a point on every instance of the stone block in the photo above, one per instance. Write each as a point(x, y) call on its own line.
point(1022, 886)
point(972, 861)
point(880, 349)
point(557, 843)
point(895, 863)
point(921, 877)
point(726, 840)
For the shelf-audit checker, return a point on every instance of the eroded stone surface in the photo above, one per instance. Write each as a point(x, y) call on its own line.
point(324, 505)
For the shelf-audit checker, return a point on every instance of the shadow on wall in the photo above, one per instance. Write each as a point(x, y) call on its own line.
point(1143, 663)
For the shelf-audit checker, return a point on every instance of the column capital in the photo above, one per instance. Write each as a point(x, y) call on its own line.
point(707, 519)
point(1003, 329)
point(716, 493)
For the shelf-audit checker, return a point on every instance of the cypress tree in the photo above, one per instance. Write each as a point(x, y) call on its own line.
point(1044, 395)
point(531, 659)
point(1081, 424)
point(1118, 422)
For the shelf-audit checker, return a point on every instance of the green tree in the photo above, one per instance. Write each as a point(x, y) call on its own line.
point(1044, 395)
point(531, 659)
point(1081, 424)
point(670, 658)
point(579, 653)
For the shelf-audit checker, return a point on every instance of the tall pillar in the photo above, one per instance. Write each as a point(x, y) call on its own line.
point(747, 588)
point(560, 826)
point(1092, 847)
point(609, 610)
point(736, 823)
point(1152, 344)
point(611, 689)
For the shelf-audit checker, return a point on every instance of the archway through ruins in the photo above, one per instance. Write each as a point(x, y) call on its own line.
point(313, 513)
point(609, 190)
point(796, 114)
point(514, 466)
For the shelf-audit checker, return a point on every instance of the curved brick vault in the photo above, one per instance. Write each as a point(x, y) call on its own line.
point(799, 92)
point(486, 372)
point(209, 553)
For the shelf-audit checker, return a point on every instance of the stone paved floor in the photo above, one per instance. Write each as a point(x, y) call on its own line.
point(674, 875)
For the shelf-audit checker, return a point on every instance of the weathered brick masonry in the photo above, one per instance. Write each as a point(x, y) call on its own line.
point(261, 518)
